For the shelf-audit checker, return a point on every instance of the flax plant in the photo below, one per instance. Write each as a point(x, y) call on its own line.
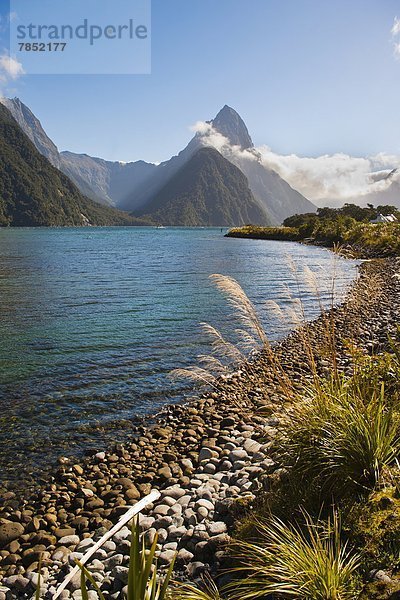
point(144, 580)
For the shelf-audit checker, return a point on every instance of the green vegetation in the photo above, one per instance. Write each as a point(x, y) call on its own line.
point(337, 452)
point(374, 525)
point(339, 215)
point(144, 581)
point(206, 590)
point(342, 437)
point(382, 239)
point(339, 446)
point(309, 562)
point(34, 193)
point(207, 191)
point(285, 234)
point(347, 226)
point(292, 562)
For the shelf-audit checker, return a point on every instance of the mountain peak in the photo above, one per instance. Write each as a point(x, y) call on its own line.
point(231, 125)
point(31, 125)
point(206, 191)
point(14, 103)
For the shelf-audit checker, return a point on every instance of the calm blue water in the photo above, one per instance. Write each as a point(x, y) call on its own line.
point(93, 319)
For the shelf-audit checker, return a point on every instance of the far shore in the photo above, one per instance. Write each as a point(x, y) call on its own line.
point(363, 241)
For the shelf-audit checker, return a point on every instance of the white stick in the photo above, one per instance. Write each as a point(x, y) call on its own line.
point(130, 513)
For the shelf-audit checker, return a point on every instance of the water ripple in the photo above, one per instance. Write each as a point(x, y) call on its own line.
point(91, 324)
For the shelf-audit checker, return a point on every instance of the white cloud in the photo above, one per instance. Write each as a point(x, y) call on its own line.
point(395, 31)
point(210, 136)
point(324, 179)
point(200, 127)
point(396, 27)
point(10, 68)
point(10, 71)
point(338, 177)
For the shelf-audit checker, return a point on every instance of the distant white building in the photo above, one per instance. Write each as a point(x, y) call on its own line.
point(384, 219)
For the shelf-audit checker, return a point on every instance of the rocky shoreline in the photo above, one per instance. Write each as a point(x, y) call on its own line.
point(210, 458)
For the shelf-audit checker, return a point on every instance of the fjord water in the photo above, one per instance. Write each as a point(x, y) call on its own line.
point(93, 319)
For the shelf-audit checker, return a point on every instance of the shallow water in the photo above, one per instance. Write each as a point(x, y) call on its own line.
point(93, 319)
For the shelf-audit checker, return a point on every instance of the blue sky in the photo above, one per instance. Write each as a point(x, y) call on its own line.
point(308, 76)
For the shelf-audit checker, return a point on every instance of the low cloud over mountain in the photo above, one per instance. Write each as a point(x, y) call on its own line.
point(337, 178)
point(328, 179)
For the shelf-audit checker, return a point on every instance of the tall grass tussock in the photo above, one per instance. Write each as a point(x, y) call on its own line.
point(307, 561)
point(342, 438)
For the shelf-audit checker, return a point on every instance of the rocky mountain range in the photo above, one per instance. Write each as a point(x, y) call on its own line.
point(136, 187)
point(105, 181)
point(228, 134)
point(189, 199)
point(35, 193)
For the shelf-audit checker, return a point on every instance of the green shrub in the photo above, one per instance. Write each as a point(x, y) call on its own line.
point(309, 563)
point(343, 436)
point(374, 526)
point(265, 233)
point(329, 226)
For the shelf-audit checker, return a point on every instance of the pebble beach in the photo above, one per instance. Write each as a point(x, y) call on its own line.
point(211, 458)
